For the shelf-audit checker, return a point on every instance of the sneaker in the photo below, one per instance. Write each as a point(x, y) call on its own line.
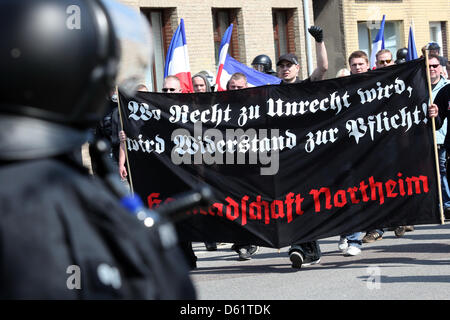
point(211, 246)
point(244, 254)
point(310, 262)
point(400, 231)
point(352, 251)
point(372, 236)
point(409, 228)
point(252, 249)
point(296, 258)
point(343, 244)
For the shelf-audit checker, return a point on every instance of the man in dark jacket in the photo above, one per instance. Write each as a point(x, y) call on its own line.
point(288, 67)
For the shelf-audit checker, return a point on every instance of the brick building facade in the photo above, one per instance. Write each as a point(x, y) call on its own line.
point(355, 23)
point(274, 27)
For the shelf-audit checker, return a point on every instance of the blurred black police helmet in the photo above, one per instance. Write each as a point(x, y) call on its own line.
point(61, 58)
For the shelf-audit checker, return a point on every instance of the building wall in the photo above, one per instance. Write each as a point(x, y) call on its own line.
point(328, 15)
point(339, 19)
point(419, 12)
point(255, 30)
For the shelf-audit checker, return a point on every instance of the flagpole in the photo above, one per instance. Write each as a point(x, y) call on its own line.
point(125, 142)
point(436, 157)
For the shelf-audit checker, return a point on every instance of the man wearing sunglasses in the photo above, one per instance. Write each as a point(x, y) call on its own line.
point(384, 59)
point(171, 85)
point(435, 49)
point(441, 94)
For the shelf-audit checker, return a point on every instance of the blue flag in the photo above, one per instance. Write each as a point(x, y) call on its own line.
point(254, 77)
point(412, 53)
point(228, 65)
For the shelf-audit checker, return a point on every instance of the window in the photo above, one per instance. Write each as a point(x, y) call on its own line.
point(438, 34)
point(161, 36)
point(222, 18)
point(283, 31)
point(393, 36)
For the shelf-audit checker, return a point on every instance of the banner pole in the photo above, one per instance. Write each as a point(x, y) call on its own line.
point(125, 142)
point(436, 156)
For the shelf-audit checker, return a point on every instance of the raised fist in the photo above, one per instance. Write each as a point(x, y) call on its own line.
point(316, 32)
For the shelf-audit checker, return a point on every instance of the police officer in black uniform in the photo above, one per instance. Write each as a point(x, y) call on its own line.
point(108, 129)
point(263, 63)
point(63, 233)
point(401, 55)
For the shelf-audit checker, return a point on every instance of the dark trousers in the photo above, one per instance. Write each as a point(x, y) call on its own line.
point(310, 250)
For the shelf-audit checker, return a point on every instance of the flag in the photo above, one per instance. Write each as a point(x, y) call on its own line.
point(228, 65)
point(377, 44)
point(254, 77)
point(223, 54)
point(412, 53)
point(177, 60)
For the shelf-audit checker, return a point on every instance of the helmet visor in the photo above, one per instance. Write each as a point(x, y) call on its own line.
point(134, 36)
point(259, 67)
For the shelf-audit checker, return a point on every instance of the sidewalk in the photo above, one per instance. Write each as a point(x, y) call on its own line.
point(416, 266)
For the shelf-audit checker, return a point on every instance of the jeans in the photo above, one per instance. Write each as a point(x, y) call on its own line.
point(353, 239)
point(443, 172)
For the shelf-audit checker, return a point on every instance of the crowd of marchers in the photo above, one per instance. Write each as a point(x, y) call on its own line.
point(288, 69)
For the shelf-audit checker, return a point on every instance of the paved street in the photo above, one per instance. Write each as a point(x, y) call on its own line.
point(416, 266)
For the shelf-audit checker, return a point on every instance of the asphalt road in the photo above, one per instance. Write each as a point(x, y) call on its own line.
point(416, 266)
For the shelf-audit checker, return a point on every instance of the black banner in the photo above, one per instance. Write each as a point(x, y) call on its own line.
point(290, 163)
